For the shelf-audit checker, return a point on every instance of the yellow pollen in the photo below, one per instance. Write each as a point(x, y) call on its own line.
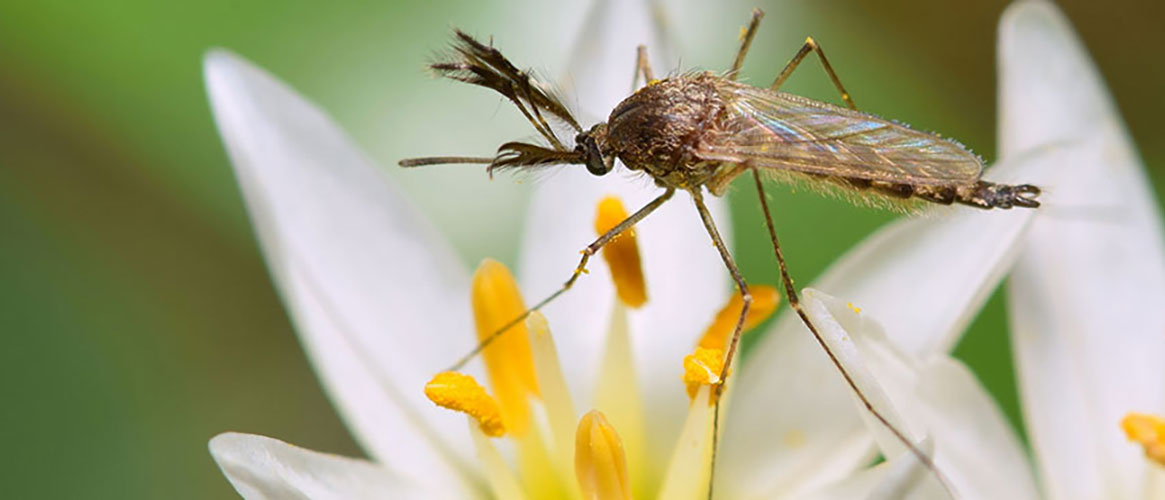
point(702, 367)
point(852, 307)
point(1149, 431)
point(599, 462)
point(621, 253)
point(508, 360)
point(460, 392)
point(764, 302)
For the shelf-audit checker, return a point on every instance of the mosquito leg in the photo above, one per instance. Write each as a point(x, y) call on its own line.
point(642, 67)
point(589, 251)
point(811, 45)
point(795, 303)
point(745, 42)
point(746, 299)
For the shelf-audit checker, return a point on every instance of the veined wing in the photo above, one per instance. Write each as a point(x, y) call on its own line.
point(789, 132)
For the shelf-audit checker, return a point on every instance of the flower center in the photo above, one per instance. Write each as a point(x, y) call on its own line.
point(599, 461)
point(496, 301)
point(621, 253)
point(460, 392)
point(1149, 431)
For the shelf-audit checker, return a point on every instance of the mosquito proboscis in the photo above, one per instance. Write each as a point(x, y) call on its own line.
point(698, 132)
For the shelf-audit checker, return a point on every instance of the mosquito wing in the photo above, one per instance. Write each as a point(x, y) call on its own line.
point(770, 129)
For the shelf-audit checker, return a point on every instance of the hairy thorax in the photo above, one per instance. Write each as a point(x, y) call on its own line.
point(656, 129)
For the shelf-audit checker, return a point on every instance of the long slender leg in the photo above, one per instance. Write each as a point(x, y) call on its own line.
point(746, 298)
point(589, 251)
point(795, 303)
point(811, 45)
point(642, 66)
point(745, 42)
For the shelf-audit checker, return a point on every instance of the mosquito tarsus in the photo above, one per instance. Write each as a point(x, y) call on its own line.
point(698, 132)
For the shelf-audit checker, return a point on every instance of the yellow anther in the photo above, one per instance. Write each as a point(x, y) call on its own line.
point(764, 303)
point(621, 253)
point(702, 367)
point(460, 392)
point(852, 307)
point(599, 462)
point(1149, 431)
point(496, 302)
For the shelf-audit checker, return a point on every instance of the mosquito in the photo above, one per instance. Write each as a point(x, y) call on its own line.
point(698, 132)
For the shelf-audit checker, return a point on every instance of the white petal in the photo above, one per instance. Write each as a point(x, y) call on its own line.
point(1086, 293)
point(900, 477)
point(686, 281)
point(376, 296)
point(809, 434)
point(605, 52)
point(835, 322)
point(261, 468)
point(923, 279)
point(974, 445)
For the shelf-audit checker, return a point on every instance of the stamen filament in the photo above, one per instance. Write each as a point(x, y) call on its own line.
point(498, 474)
point(690, 467)
point(619, 397)
point(556, 399)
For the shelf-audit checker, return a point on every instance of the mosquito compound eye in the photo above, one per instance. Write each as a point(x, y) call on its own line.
point(596, 166)
point(595, 163)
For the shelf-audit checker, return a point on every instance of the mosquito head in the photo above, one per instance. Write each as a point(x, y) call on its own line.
point(591, 144)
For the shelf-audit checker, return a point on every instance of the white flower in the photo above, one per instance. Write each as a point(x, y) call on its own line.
point(378, 300)
point(1085, 295)
point(376, 297)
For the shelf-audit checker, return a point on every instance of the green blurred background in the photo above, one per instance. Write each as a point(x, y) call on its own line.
point(137, 317)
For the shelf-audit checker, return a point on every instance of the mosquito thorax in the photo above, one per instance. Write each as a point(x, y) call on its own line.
point(656, 128)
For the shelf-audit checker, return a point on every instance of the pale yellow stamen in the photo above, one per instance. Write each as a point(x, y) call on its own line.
point(689, 470)
point(1149, 431)
point(764, 302)
point(498, 475)
point(621, 253)
point(496, 302)
point(460, 392)
point(599, 462)
point(702, 367)
point(560, 415)
point(618, 396)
